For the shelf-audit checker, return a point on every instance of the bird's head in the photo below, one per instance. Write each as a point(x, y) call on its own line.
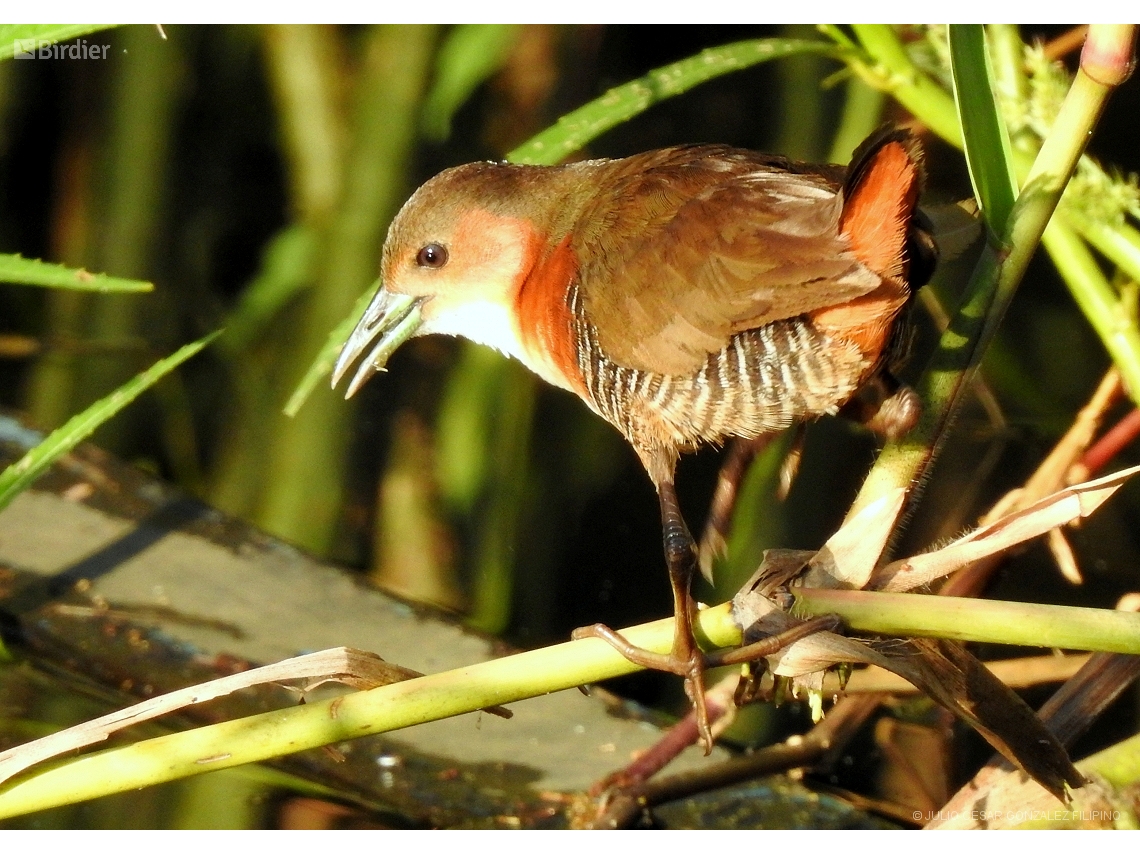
point(453, 262)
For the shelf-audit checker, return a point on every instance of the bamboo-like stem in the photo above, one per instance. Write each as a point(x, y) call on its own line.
point(506, 489)
point(1098, 301)
point(862, 113)
point(969, 619)
point(538, 672)
point(301, 64)
point(302, 67)
point(379, 710)
point(131, 205)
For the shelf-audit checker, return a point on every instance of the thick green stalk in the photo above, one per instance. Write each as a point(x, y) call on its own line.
point(970, 619)
point(110, 227)
point(430, 698)
point(1098, 301)
point(862, 113)
point(804, 121)
point(306, 77)
point(131, 207)
point(1117, 764)
point(506, 490)
point(302, 61)
point(893, 70)
point(524, 675)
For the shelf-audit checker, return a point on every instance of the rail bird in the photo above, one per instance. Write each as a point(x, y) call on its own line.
point(687, 295)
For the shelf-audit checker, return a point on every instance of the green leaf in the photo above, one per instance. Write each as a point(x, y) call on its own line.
point(622, 103)
point(469, 55)
point(62, 440)
point(31, 271)
point(322, 365)
point(27, 37)
point(983, 129)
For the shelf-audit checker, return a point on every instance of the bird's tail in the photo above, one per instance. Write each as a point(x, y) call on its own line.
point(880, 209)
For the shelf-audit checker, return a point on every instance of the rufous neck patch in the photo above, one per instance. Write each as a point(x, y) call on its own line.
point(542, 312)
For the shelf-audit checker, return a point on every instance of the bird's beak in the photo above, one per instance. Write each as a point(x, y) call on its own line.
point(389, 321)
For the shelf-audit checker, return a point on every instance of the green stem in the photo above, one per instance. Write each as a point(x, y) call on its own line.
point(1098, 301)
point(862, 113)
point(1119, 243)
point(1008, 56)
point(893, 70)
point(1118, 764)
point(387, 708)
point(969, 619)
point(302, 65)
point(305, 462)
point(505, 490)
point(537, 672)
point(906, 461)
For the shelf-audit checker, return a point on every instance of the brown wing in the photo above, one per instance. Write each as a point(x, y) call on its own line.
point(691, 245)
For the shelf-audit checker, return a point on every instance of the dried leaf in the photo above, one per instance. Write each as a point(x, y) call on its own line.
point(850, 555)
point(357, 668)
point(952, 676)
point(1063, 555)
point(1060, 508)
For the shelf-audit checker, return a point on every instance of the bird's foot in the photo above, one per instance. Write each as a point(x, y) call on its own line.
point(686, 660)
point(885, 406)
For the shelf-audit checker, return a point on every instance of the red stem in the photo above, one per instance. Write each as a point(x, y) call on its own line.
point(1112, 443)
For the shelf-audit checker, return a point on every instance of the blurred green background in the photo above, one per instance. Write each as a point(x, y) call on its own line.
point(250, 173)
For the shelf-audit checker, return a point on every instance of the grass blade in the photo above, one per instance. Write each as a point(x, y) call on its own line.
point(983, 130)
point(32, 271)
point(321, 367)
point(622, 103)
point(33, 464)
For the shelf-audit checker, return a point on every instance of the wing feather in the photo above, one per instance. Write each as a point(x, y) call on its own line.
point(688, 246)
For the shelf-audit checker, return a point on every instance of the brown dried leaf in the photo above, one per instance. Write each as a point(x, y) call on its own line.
point(952, 676)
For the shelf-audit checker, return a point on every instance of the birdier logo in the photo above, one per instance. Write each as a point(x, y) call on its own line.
point(46, 49)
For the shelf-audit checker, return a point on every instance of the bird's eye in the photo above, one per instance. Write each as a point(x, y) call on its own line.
point(433, 255)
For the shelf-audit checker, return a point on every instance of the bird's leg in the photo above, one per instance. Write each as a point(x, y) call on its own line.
point(681, 558)
point(685, 659)
point(740, 455)
point(713, 540)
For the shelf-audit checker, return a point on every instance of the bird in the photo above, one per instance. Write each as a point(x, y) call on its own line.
point(688, 295)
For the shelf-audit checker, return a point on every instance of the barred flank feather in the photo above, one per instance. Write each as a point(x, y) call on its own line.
point(762, 381)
